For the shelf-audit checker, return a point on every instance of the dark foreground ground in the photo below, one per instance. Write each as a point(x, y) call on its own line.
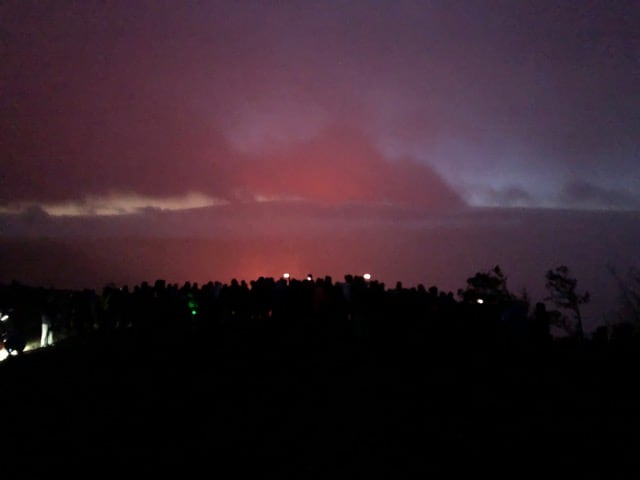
point(133, 403)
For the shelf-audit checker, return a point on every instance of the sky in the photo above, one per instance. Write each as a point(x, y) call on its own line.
point(293, 127)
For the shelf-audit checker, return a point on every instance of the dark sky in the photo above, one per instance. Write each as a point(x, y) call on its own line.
point(119, 110)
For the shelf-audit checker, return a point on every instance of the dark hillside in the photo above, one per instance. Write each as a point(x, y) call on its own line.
point(135, 401)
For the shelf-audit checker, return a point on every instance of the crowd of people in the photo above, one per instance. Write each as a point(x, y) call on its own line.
point(277, 369)
point(356, 309)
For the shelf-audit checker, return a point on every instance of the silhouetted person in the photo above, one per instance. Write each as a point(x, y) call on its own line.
point(46, 323)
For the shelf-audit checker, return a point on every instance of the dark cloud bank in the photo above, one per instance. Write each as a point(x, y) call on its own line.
point(394, 244)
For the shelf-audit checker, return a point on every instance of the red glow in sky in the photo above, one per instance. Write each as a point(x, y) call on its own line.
point(292, 126)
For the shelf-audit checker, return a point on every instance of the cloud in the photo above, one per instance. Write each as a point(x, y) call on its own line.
point(165, 99)
point(112, 204)
point(510, 196)
point(161, 159)
point(582, 194)
point(341, 165)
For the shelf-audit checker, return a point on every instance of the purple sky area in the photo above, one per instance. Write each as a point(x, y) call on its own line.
point(288, 132)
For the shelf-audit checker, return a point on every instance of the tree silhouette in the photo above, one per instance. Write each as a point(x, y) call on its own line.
point(562, 292)
point(486, 287)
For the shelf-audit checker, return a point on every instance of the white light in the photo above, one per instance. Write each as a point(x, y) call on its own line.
point(4, 318)
point(309, 278)
point(285, 275)
point(367, 276)
point(3, 354)
point(480, 301)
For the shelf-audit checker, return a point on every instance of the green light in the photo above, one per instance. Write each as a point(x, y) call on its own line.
point(193, 312)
